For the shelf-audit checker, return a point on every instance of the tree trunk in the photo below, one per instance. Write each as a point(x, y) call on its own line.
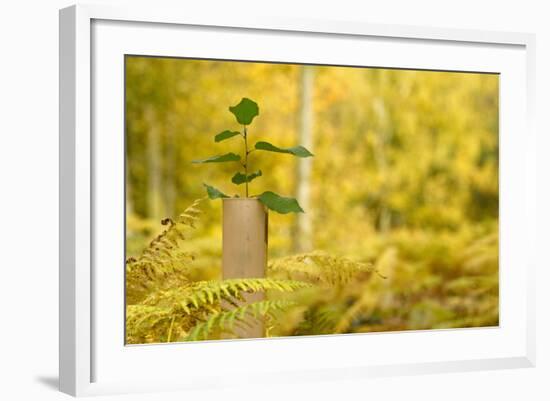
point(153, 165)
point(169, 184)
point(303, 225)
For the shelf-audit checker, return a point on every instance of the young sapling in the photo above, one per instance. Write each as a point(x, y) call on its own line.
point(244, 113)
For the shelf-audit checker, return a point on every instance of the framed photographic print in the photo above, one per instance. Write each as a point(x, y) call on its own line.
point(305, 199)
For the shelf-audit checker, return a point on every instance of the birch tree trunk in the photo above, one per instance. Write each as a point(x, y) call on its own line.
point(303, 225)
point(169, 193)
point(153, 165)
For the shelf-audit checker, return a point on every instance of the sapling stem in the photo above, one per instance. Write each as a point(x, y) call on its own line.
point(246, 161)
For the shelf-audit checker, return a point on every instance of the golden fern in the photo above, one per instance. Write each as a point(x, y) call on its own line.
point(205, 294)
point(362, 300)
point(168, 314)
point(239, 317)
point(320, 268)
point(163, 263)
point(149, 324)
point(333, 305)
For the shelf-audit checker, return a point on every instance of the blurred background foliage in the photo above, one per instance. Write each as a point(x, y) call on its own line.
point(405, 177)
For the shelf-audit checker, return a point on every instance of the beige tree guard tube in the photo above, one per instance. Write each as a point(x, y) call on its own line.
point(244, 253)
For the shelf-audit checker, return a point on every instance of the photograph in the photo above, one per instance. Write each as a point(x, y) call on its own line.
point(272, 199)
point(291, 200)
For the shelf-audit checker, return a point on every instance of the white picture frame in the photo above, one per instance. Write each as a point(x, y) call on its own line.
point(92, 39)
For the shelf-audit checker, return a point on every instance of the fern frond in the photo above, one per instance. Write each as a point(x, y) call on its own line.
point(319, 319)
point(163, 263)
point(245, 315)
point(177, 310)
point(146, 323)
point(319, 268)
point(361, 306)
point(209, 293)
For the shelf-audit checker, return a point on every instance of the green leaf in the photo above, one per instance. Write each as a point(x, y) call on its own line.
point(240, 178)
point(280, 204)
point(228, 157)
point(226, 135)
point(245, 111)
point(299, 151)
point(214, 193)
